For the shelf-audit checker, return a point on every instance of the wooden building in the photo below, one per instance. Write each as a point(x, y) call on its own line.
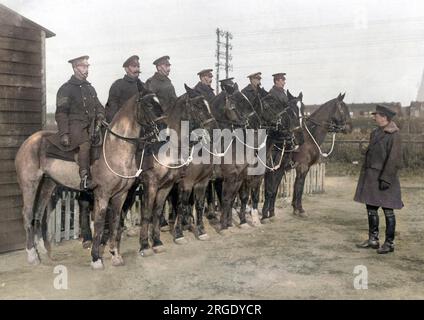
point(22, 111)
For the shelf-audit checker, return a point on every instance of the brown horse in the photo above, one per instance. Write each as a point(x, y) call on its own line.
point(332, 116)
point(113, 173)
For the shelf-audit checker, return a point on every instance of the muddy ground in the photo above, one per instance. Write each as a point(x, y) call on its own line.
point(291, 258)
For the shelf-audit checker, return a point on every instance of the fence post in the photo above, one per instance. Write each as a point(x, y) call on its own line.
point(76, 218)
point(67, 214)
point(58, 226)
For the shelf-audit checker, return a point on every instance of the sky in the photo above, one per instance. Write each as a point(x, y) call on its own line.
point(372, 50)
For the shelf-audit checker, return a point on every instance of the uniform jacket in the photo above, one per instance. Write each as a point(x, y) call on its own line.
point(205, 90)
point(279, 94)
point(120, 91)
point(250, 92)
point(382, 162)
point(163, 88)
point(77, 107)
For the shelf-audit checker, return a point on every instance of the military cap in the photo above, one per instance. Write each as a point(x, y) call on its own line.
point(162, 60)
point(384, 110)
point(256, 75)
point(130, 60)
point(278, 76)
point(78, 59)
point(205, 72)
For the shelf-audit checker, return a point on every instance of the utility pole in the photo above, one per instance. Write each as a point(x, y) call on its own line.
point(226, 56)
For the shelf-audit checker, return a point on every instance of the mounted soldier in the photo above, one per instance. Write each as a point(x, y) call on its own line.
point(125, 88)
point(204, 87)
point(253, 89)
point(161, 85)
point(278, 91)
point(78, 115)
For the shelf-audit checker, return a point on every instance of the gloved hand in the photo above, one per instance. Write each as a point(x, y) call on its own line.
point(65, 140)
point(383, 185)
point(100, 117)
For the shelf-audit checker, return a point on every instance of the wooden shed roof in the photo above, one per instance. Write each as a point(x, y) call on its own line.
point(18, 20)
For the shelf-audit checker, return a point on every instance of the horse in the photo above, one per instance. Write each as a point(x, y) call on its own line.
point(113, 173)
point(162, 174)
point(333, 116)
point(282, 123)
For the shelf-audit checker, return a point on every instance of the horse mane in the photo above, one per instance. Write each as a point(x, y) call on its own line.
point(127, 109)
point(321, 108)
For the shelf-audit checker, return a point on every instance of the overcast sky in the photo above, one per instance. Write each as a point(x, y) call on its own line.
point(372, 50)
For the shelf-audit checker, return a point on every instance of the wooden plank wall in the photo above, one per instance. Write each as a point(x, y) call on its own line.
point(22, 102)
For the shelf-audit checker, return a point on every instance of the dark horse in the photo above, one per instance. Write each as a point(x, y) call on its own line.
point(164, 172)
point(282, 122)
point(113, 173)
point(333, 116)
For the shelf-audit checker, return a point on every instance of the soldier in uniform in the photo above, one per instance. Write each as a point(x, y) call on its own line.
point(160, 84)
point(378, 184)
point(204, 87)
point(78, 112)
point(125, 88)
point(253, 88)
point(278, 91)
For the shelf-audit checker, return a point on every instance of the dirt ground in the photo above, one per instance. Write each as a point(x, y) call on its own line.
point(291, 258)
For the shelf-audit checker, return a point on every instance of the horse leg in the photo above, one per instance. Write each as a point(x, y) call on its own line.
point(199, 197)
point(114, 228)
point(210, 197)
point(161, 195)
point(230, 188)
point(29, 186)
point(42, 242)
point(301, 172)
point(254, 193)
point(84, 200)
point(272, 181)
point(182, 212)
point(244, 197)
point(218, 188)
point(150, 190)
point(100, 208)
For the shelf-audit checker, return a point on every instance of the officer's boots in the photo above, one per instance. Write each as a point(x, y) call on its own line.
point(373, 222)
point(84, 164)
point(388, 245)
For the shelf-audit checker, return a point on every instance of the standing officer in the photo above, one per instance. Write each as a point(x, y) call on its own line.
point(204, 87)
point(78, 112)
point(378, 184)
point(160, 84)
point(278, 91)
point(125, 88)
point(253, 88)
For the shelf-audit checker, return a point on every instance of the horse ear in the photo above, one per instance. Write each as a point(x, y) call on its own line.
point(342, 97)
point(300, 96)
point(236, 87)
point(191, 93)
point(289, 95)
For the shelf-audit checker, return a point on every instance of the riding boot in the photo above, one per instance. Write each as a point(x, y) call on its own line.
point(84, 164)
point(373, 222)
point(388, 245)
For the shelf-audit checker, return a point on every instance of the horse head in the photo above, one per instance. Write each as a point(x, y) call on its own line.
point(341, 116)
point(149, 113)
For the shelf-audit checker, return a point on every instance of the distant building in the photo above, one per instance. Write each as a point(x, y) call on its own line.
point(416, 109)
point(420, 94)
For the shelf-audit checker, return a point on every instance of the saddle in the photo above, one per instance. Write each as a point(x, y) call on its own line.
point(55, 150)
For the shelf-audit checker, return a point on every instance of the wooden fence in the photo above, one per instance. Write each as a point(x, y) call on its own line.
point(63, 223)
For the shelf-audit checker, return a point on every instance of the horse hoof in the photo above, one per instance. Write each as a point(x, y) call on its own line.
point(40, 247)
point(204, 237)
point(32, 257)
point(146, 252)
point(117, 261)
point(244, 226)
point(265, 221)
point(97, 265)
point(180, 240)
point(165, 228)
point(86, 244)
point(159, 249)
